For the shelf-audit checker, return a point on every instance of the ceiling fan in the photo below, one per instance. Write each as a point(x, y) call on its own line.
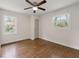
point(36, 5)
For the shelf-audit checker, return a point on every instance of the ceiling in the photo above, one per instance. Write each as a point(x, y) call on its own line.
point(19, 5)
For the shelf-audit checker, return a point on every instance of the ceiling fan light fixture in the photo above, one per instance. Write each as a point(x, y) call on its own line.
point(35, 8)
point(36, 5)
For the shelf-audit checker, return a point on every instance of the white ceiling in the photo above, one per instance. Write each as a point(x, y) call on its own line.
point(19, 5)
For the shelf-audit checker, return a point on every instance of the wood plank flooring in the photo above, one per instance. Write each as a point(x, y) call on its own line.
point(37, 49)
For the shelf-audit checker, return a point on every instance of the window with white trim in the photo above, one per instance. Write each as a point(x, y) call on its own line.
point(9, 25)
point(62, 21)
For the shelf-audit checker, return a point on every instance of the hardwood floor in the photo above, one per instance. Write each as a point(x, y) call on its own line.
point(37, 49)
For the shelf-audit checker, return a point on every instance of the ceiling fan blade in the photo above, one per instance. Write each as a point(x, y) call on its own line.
point(29, 2)
point(41, 8)
point(44, 1)
point(28, 8)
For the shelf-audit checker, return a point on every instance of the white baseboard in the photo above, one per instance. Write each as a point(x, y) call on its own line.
point(59, 43)
point(6, 42)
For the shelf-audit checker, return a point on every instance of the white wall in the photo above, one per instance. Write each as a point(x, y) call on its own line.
point(23, 24)
point(0, 30)
point(67, 37)
point(25, 27)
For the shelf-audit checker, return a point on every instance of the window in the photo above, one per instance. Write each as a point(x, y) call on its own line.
point(9, 25)
point(62, 21)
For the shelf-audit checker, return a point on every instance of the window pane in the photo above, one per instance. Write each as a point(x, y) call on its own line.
point(9, 25)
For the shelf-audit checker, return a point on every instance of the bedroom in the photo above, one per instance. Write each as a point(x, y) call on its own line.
point(32, 32)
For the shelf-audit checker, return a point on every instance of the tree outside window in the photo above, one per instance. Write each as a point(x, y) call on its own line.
point(9, 24)
point(62, 21)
